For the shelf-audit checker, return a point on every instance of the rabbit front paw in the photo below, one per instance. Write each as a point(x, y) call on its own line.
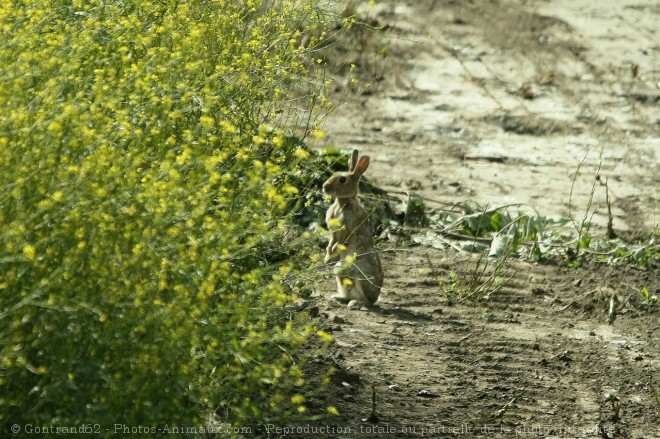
point(331, 253)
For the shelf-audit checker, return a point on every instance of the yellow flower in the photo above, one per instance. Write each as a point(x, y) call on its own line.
point(55, 127)
point(207, 122)
point(228, 127)
point(334, 224)
point(185, 155)
point(289, 189)
point(324, 336)
point(301, 153)
point(333, 410)
point(30, 252)
point(278, 140)
point(271, 193)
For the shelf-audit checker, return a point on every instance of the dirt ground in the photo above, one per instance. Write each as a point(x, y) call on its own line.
point(500, 102)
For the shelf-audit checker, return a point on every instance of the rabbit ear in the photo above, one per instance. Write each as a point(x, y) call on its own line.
point(352, 162)
point(362, 165)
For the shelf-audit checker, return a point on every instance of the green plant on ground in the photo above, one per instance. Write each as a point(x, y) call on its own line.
point(648, 297)
point(478, 283)
point(524, 233)
point(144, 275)
point(583, 226)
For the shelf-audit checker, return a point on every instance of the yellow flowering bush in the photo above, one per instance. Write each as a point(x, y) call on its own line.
point(144, 157)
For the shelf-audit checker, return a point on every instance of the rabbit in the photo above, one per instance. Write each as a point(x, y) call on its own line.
point(360, 279)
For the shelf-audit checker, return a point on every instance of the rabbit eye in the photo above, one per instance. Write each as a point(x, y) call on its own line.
point(342, 179)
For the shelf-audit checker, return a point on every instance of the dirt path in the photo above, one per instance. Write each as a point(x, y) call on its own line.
point(539, 359)
point(499, 102)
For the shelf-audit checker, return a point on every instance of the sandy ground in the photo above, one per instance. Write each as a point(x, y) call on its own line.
point(500, 102)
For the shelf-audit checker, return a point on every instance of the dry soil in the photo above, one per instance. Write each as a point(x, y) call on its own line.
point(503, 102)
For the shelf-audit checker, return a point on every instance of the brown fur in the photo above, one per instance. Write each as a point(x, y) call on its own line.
point(359, 282)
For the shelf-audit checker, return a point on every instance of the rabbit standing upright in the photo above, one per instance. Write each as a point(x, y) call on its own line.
point(358, 269)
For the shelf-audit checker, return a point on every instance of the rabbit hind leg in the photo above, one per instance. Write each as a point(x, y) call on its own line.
point(357, 296)
point(343, 293)
point(351, 291)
